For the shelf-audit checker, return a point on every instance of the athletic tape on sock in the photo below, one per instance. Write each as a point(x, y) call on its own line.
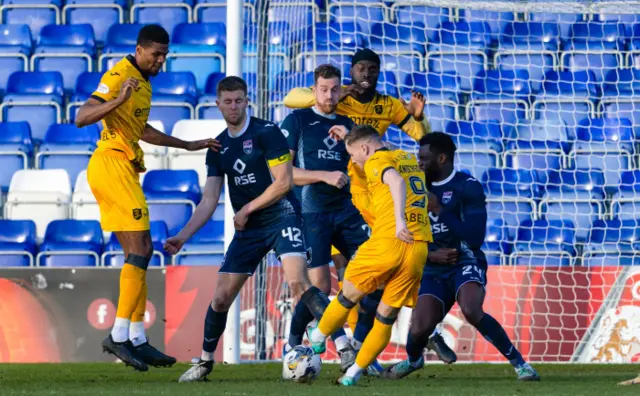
point(138, 261)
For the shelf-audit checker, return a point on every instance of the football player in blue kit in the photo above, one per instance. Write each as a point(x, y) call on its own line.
point(255, 158)
point(456, 267)
point(322, 187)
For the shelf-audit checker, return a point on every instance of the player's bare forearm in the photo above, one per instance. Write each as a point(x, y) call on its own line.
point(416, 129)
point(281, 185)
point(93, 111)
point(205, 208)
point(303, 177)
point(300, 98)
point(157, 138)
point(398, 191)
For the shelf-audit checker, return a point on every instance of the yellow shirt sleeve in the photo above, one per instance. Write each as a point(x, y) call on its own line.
point(377, 165)
point(109, 86)
point(404, 121)
point(300, 98)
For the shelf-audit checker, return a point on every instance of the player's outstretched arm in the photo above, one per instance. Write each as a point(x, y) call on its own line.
point(97, 107)
point(303, 177)
point(398, 189)
point(157, 138)
point(472, 229)
point(300, 98)
point(200, 216)
point(409, 116)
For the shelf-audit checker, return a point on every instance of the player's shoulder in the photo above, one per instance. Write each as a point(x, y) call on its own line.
point(343, 120)
point(468, 183)
point(259, 125)
point(121, 70)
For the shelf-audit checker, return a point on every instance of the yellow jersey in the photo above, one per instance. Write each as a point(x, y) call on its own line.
point(416, 216)
point(124, 126)
point(381, 112)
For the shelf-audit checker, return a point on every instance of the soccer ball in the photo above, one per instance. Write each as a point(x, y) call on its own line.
point(301, 365)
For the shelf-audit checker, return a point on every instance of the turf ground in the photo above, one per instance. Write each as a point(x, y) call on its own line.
point(113, 379)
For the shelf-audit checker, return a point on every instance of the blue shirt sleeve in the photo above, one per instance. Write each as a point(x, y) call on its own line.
point(472, 227)
point(273, 143)
point(213, 164)
point(291, 131)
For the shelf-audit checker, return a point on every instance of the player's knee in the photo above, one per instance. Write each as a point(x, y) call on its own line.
point(222, 301)
point(298, 286)
point(387, 318)
point(139, 261)
point(472, 313)
point(345, 301)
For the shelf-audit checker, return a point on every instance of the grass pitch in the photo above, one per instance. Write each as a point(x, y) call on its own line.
point(477, 379)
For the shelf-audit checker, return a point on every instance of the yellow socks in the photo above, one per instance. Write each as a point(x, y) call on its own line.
point(374, 344)
point(132, 282)
point(352, 319)
point(333, 318)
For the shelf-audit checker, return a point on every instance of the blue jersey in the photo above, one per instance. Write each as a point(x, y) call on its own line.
point(245, 160)
point(307, 133)
point(461, 224)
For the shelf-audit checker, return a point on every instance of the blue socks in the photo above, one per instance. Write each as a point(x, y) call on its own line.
point(301, 318)
point(367, 315)
point(414, 348)
point(493, 332)
point(214, 325)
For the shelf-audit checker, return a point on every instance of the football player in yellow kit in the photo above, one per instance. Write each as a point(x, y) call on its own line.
point(364, 105)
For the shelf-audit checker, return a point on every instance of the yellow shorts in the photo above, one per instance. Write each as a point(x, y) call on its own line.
point(116, 186)
point(362, 202)
point(390, 263)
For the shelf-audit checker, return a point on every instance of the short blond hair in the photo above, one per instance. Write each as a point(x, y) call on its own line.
point(361, 132)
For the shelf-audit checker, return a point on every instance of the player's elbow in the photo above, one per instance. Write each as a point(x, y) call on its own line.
point(284, 184)
point(81, 119)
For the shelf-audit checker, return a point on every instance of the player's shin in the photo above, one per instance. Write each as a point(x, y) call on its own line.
point(374, 344)
point(137, 334)
point(301, 318)
point(214, 324)
point(493, 332)
point(366, 317)
point(132, 280)
point(334, 318)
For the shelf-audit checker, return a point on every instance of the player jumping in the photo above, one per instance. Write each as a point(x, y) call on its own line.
point(122, 101)
point(456, 268)
point(361, 102)
point(395, 254)
point(322, 188)
point(255, 158)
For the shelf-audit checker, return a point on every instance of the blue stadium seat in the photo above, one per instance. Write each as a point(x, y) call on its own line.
point(511, 196)
point(569, 96)
point(620, 96)
point(15, 47)
point(544, 242)
point(564, 21)
point(174, 97)
point(34, 13)
point(113, 255)
point(496, 20)
point(297, 14)
point(366, 15)
point(535, 155)
point(312, 57)
point(604, 144)
point(529, 45)
point(430, 17)
point(68, 147)
point(198, 48)
point(575, 195)
point(612, 242)
point(392, 38)
point(626, 201)
point(633, 57)
point(496, 244)
point(596, 57)
point(403, 64)
point(216, 11)
point(337, 36)
point(17, 243)
point(206, 247)
point(86, 85)
point(284, 82)
point(611, 35)
point(35, 97)
point(172, 196)
point(69, 49)
point(121, 41)
point(100, 14)
point(441, 93)
point(500, 94)
point(460, 49)
point(167, 15)
point(16, 149)
point(71, 243)
point(479, 145)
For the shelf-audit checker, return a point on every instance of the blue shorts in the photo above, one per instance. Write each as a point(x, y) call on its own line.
point(345, 229)
point(445, 285)
point(249, 247)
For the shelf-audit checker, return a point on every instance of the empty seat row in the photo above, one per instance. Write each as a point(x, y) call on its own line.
point(80, 243)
